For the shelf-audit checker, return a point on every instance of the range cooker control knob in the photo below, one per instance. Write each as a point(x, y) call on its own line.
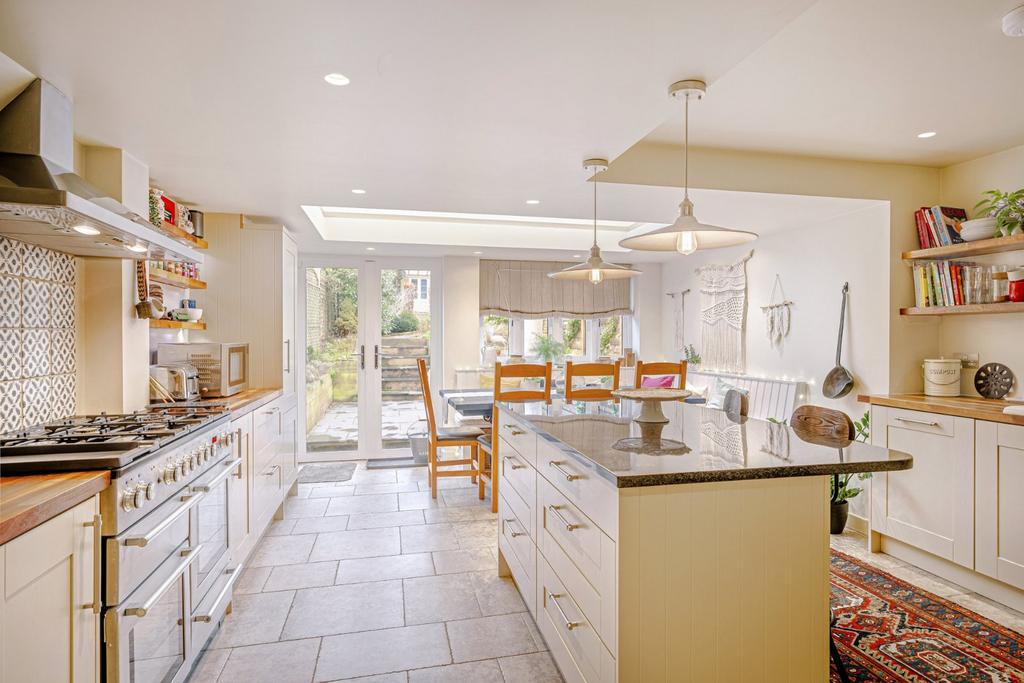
point(168, 473)
point(127, 500)
point(139, 497)
point(151, 489)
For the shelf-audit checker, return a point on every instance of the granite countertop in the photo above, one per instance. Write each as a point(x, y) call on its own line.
point(697, 445)
point(28, 501)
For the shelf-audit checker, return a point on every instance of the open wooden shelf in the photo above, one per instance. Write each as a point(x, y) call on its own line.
point(996, 245)
point(968, 309)
point(179, 234)
point(168, 278)
point(176, 325)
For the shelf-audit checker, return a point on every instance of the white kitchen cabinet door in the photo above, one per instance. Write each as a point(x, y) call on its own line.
point(999, 521)
point(288, 457)
point(240, 510)
point(49, 630)
point(289, 272)
point(931, 505)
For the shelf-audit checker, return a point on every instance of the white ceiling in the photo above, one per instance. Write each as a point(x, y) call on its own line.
point(474, 107)
point(861, 79)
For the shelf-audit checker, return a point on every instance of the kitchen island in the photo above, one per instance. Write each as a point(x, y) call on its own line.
point(695, 550)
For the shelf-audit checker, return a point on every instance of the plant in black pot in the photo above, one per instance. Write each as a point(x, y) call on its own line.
point(844, 486)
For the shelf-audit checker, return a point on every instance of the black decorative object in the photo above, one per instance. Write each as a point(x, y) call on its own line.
point(993, 380)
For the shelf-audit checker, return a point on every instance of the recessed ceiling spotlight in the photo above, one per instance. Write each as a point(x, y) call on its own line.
point(337, 79)
point(577, 255)
point(137, 248)
point(477, 253)
point(357, 191)
point(533, 201)
point(371, 249)
point(86, 230)
point(927, 134)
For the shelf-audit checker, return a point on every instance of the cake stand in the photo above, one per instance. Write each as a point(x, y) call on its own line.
point(651, 400)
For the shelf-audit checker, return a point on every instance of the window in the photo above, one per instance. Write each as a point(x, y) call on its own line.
point(423, 288)
point(574, 337)
point(609, 337)
point(563, 338)
point(420, 288)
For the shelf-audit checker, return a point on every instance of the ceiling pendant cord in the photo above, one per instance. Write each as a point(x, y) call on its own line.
point(686, 148)
point(595, 208)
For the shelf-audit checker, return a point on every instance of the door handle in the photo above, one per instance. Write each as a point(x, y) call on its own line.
point(288, 354)
point(190, 554)
point(376, 357)
point(97, 563)
point(569, 625)
point(912, 421)
point(362, 356)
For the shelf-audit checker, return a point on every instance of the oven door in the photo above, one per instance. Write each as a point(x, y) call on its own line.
point(234, 368)
point(208, 528)
point(148, 636)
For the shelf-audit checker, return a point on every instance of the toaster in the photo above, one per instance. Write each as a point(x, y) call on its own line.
point(180, 380)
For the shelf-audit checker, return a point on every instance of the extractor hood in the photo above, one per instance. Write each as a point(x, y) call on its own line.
point(43, 202)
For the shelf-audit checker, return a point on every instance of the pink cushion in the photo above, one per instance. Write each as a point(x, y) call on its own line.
point(662, 382)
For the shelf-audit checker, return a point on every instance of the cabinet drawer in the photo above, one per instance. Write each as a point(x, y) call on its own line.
point(525, 580)
point(518, 436)
point(522, 510)
point(573, 531)
point(266, 427)
point(573, 640)
point(514, 532)
point(579, 481)
point(928, 423)
point(518, 474)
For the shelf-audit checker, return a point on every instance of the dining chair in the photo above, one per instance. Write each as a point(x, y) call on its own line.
point(488, 443)
point(573, 370)
point(445, 437)
point(660, 370)
point(829, 427)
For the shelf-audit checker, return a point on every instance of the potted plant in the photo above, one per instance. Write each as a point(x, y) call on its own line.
point(1006, 207)
point(841, 489)
point(692, 357)
point(548, 348)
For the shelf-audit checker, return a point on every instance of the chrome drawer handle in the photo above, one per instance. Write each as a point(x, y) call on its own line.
point(206, 488)
point(513, 534)
point(234, 573)
point(514, 461)
point(570, 625)
point(190, 554)
point(515, 432)
point(97, 563)
point(557, 464)
point(143, 541)
point(917, 422)
point(568, 526)
point(270, 472)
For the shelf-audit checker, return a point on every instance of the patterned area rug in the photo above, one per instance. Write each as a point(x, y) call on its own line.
point(888, 630)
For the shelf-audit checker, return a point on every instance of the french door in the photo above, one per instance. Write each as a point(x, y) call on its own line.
point(367, 323)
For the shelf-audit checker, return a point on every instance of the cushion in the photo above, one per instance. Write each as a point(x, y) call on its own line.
point(662, 382)
point(458, 433)
point(716, 395)
point(487, 381)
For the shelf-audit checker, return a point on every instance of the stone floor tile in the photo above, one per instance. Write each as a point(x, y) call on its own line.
point(496, 594)
point(320, 525)
point(535, 668)
point(209, 666)
point(412, 474)
point(463, 497)
point(428, 537)
point(292, 661)
point(470, 560)
point(440, 598)
point(420, 500)
point(252, 580)
point(365, 476)
point(399, 677)
point(254, 619)
point(275, 550)
point(294, 508)
point(376, 520)
point(347, 545)
point(380, 502)
point(491, 637)
point(333, 491)
point(384, 568)
point(480, 511)
point(294, 576)
point(281, 527)
point(383, 651)
point(345, 609)
point(402, 487)
point(486, 671)
point(476, 534)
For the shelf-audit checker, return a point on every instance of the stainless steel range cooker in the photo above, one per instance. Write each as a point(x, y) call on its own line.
point(166, 578)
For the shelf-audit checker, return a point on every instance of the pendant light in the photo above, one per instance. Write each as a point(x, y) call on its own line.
point(687, 234)
point(595, 268)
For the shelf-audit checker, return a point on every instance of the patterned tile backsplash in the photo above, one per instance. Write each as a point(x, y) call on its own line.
point(37, 334)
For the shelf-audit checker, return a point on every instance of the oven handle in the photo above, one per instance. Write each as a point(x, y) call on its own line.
point(190, 554)
point(213, 483)
point(235, 573)
point(143, 541)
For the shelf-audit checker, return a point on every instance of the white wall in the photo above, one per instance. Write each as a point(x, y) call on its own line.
point(996, 338)
point(648, 314)
point(461, 315)
point(813, 263)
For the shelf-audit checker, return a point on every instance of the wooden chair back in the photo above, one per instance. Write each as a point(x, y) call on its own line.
point(573, 370)
point(822, 425)
point(522, 371)
point(658, 370)
point(428, 403)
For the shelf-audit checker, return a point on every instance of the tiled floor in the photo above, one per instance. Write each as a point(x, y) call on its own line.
point(373, 581)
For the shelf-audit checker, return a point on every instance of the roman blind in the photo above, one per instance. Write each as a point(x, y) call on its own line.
point(523, 289)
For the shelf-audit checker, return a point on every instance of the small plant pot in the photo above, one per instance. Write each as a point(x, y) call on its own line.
point(839, 514)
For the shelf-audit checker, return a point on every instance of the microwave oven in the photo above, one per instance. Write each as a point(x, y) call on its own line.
point(223, 367)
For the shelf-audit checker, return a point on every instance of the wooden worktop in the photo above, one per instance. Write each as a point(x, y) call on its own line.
point(249, 400)
point(28, 501)
point(973, 407)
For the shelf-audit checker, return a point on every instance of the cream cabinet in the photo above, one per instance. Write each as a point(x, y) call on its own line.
point(240, 537)
point(289, 280)
point(931, 505)
point(49, 606)
point(999, 520)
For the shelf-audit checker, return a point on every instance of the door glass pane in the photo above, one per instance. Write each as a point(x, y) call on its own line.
point(609, 337)
point(536, 341)
point(156, 642)
point(495, 338)
point(405, 338)
point(574, 336)
point(332, 359)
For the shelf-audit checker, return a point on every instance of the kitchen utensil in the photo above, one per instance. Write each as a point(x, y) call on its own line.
point(993, 380)
point(942, 376)
point(839, 381)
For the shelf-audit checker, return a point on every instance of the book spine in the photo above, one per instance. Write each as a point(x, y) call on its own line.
point(942, 225)
point(922, 230)
point(923, 284)
point(957, 285)
point(917, 286)
point(936, 290)
point(931, 228)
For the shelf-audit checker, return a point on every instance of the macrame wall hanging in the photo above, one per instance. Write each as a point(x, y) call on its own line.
point(678, 312)
point(776, 314)
point(723, 314)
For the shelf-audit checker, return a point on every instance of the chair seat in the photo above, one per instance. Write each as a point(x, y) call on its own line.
point(485, 442)
point(458, 434)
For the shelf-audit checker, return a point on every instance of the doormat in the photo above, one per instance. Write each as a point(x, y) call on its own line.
point(889, 630)
point(335, 471)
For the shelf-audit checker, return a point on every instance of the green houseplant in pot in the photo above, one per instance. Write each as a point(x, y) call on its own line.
point(844, 486)
point(547, 348)
point(1006, 207)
